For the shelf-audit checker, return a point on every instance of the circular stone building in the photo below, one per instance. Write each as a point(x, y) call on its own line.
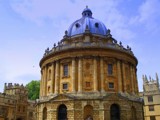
point(88, 75)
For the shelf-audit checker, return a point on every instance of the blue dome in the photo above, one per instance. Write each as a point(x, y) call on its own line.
point(94, 26)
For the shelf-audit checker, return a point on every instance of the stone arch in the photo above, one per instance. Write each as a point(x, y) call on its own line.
point(114, 112)
point(88, 112)
point(133, 112)
point(44, 113)
point(62, 112)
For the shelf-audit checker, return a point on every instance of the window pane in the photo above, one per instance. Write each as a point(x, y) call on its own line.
point(111, 85)
point(150, 98)
point(110, 69)
point(152, 118)
point(65, 70)
point(151, 108)
point(65, 86)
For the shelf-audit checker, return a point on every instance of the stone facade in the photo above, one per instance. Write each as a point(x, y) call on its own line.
point(151, 96)
point(89, 76)
point(14, 103)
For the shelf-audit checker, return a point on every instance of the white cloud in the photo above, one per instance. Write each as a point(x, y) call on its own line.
point(149, 15)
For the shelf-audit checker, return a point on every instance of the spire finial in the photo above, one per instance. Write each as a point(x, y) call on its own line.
point(86, 6)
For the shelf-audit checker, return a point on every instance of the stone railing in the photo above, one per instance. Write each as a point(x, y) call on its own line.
point(81, 44)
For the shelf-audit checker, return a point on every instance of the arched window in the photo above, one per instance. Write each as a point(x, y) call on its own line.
point(62, 112)
point(88, 112)
point(134, 116)
point(45, 113)
point(115, 112)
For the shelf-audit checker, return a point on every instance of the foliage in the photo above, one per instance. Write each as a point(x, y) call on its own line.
point(33, 89)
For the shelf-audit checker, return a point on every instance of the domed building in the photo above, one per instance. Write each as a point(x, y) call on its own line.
point(88, 75)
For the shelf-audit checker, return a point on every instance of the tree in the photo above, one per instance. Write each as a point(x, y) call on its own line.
point(33, 89)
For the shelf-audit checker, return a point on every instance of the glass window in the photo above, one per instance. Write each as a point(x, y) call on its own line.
point(111, 85)
point(151, 107)
point(150, 98)
point(152, 118)
point(65, 86)
point(65, 70)
point(110, 69)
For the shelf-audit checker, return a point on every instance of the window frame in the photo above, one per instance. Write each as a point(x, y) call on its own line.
point(152, 118)
point(63, 88)
point(65, 70)
point(110, 69)
point(110, 84)
point(151, 107)
point(150, 98)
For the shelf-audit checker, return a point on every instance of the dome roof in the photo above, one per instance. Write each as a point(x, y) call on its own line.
point(87, 22)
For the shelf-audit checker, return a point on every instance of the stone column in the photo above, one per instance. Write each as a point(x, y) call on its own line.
point(102, 74)
point(80, 75)
point(136, 82)
point(73, 74)
point(132, 82)
point(57, 78)
point(124, 77)
point(119, 76)
point(45, 81)
point(52, 78)
point(95, 82)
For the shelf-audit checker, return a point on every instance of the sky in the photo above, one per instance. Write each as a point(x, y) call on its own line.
point(28, 27)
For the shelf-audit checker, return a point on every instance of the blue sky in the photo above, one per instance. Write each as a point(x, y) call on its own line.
point(28, 27)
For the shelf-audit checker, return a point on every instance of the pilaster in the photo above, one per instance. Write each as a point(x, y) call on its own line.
point(80, 75)
point(73, 74)
point(95, 75)
point(52, 78)
point(57, 75)
point(102, 74)
point(119, 76)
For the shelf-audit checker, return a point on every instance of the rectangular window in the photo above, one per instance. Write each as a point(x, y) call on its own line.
point(110, 69)
point(150, 98)
point(65, 70)
point(151, 107)
point(152, 118)
point(65, 86)
point(111, 85)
